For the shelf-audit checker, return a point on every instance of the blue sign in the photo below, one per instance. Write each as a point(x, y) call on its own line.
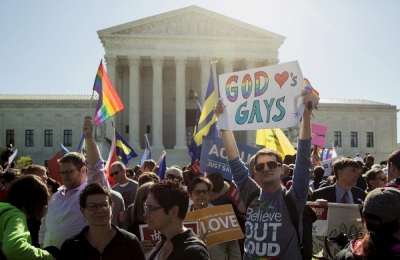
point(213, 156)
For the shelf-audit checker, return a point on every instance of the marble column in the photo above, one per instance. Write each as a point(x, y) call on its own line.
point(205, 77)
point(157, 131)
point(134, 105)
point(180, 63)
point(228, 64)
point(251, 134)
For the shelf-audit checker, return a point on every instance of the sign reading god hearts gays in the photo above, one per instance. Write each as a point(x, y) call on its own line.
point(262, 98)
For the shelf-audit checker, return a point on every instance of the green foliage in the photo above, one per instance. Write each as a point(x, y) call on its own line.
point(22, 162)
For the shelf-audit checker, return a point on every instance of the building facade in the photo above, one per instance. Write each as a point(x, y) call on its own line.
point(157, 64)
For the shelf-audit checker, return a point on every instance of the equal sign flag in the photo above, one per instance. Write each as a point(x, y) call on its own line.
point(206, 123)
point(109, 102)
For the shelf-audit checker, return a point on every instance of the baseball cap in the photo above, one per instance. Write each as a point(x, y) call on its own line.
point(357, 154)
point(382, 206)
point(9, 146)
point(174, 171)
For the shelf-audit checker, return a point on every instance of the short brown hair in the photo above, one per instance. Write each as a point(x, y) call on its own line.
point(169, 193)
point(341, 164)
point(77, 159)
point(150, 164)
point(266, 151)
point(394, 158)
point(33, 168)
point(371, 175)
point(94, 189)
point(148, 177)
point(217, 181)
point(198, 180)
point(120, 165)
point(29, 192)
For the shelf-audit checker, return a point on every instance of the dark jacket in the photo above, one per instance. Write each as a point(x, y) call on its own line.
point(123, 245)
point(186, 245)
point(329, 194)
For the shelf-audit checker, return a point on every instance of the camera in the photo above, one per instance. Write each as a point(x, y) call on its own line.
point(342, 240)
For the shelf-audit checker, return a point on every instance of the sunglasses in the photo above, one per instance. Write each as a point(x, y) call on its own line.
point(271, 166)
point(114, 173)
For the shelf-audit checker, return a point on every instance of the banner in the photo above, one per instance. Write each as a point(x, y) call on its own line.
point(220, 222)
point(154, 236)
point(320, 226)
point(213, 156)
point(342, 218)
point(262, 98)
point(328, 165)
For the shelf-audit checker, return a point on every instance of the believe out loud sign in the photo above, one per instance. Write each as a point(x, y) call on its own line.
point(267, 97)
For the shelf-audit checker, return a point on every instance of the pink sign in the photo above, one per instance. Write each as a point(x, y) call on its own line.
point(318, 134)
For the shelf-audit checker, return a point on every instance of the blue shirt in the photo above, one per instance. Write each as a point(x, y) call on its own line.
point(340, 192)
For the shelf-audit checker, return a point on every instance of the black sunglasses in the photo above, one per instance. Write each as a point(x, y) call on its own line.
point(114, 173)
point(271, 166)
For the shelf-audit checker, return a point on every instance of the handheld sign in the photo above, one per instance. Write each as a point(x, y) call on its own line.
point(267, 97)
point(318, 134)
point(218, 223)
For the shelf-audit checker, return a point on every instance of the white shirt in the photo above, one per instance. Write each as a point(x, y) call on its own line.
point(64, 218)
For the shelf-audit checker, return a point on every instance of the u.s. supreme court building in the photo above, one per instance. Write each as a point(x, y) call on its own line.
point(157, 64)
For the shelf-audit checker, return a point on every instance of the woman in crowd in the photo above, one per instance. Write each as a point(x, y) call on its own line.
point(27, 197)
point(375, 178)
point(199, 191)
point(381, 235)
point(165, 209)
point(100, 239)
point(134, 216)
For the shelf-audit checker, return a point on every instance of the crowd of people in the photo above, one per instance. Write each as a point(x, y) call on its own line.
point(86, 218)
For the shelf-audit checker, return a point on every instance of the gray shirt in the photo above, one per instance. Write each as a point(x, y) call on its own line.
point(119, 206)
point(128, 191)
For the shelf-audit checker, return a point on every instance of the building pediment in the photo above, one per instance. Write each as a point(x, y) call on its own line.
point(190, 22)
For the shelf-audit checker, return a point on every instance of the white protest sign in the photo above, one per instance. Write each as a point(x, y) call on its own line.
point(11, 158)
point(262, 98)
point(327, 165)
point(320, 226)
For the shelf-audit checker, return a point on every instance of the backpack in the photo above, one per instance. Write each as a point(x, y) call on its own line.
point(309, 217)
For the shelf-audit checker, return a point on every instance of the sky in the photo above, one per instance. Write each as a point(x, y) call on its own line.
point(347, 49)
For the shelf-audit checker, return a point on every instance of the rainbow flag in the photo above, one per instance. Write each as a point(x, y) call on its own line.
point(307, 85)
point(109, 102)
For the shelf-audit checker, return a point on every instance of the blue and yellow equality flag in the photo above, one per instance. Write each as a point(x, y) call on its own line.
point(206, 123)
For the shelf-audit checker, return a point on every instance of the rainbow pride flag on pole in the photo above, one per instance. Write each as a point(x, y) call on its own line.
point(109, 102)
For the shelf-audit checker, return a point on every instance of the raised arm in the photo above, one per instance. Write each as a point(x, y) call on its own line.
point(93, 153)
point(301, 176)
point(94, 162)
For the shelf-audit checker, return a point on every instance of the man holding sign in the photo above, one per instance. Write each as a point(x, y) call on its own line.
point(269, 230)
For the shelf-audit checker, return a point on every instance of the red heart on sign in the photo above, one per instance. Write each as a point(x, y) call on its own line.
point(281, 78)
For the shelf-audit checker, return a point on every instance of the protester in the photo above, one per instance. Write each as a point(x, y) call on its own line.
point(148, 165)
point(344, 190)
point(27, 197)
point(37, 170)
point(137, 171)
point(281, 236)
point(166, 207)
point(318, 174)
point(64, 218)
point(148, 177)
point(381, 235)
point(393, 166)
point(130, 174)
point(100, 239)
point(375, 178)
point(9, 176)
point(52, 185)
point(5, 155)
point(118, 211)
point(134, 216)
point(125, 186)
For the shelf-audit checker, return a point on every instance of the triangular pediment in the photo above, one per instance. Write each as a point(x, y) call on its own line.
point(190, 21)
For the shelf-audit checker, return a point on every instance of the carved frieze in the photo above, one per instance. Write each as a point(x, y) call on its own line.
point(192, 24)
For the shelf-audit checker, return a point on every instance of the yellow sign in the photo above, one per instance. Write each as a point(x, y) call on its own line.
point(220, 222)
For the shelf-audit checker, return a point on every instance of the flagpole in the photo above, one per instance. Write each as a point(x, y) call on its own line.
point(91, 99)
point(159, 160)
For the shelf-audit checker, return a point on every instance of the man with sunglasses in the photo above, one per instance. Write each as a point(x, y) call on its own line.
point(64, 218)
point(125, 186)
point(269, 230)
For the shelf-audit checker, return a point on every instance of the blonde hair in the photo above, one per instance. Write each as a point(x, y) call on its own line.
point(225, 188)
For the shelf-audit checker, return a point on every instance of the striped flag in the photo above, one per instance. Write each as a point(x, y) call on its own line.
point(147, 152)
